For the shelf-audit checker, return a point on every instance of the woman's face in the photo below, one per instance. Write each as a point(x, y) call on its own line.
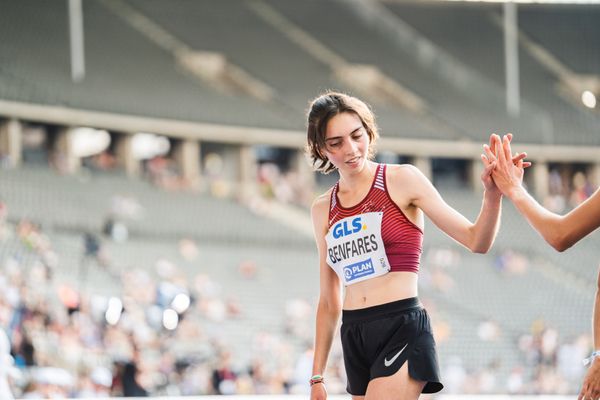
point(346, 142)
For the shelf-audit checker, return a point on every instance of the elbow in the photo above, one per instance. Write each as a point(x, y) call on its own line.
point(479, 243)
point(560, 236)
point(560, 245)
point(481, 249)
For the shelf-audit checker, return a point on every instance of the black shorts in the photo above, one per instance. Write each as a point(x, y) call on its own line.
point(378, 340)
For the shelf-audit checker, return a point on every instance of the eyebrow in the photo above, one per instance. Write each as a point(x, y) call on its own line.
point(337, 137)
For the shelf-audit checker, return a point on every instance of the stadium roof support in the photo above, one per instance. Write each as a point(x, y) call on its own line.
point(278, 138)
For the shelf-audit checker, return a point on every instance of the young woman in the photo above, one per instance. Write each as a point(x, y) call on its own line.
point(561, 232)
point(369, 233)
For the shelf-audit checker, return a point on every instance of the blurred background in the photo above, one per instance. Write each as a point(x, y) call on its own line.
point(155, 236)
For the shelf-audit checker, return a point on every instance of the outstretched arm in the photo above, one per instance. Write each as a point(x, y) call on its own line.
point(561, 232)
point(478, 236)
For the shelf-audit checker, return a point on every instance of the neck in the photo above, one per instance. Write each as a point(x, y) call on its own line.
point(349, 181)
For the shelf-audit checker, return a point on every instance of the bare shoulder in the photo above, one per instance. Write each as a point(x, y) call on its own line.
point(403, 174)
point(320, 213)
point(406, 184)
point(320, 205)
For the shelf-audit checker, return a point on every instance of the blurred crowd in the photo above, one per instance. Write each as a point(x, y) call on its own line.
point(63, 342)
point(567, 189)
point(162, 334)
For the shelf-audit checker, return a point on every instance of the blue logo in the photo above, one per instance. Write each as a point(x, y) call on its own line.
point(342, 229)
point(358, 270)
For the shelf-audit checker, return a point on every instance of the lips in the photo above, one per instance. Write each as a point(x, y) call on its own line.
point(353, 160)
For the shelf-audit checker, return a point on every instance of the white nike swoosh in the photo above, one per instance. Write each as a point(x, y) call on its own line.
point(390, 362)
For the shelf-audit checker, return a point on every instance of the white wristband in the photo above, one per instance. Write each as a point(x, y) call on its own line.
point(590, 359)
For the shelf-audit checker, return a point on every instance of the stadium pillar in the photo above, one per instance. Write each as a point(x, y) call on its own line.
point(64, 157)
point(540, 179)
point(423, 164)
point(511, 59)
point(247, 171)
point(11, 132)
point(475, 171)
point(124, 153)
point(187, 157)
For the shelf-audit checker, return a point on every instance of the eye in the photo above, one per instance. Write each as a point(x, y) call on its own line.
point(358, 134)
point(335, 144)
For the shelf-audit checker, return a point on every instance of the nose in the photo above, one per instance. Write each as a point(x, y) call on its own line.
point(350, 146)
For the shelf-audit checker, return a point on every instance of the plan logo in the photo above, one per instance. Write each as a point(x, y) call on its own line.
point(358, 270)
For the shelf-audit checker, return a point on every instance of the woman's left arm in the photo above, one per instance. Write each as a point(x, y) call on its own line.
point(477, 237)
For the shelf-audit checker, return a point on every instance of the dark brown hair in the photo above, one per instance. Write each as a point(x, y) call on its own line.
point(322, 110)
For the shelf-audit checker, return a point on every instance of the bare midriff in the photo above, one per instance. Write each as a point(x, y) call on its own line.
point(384, 289)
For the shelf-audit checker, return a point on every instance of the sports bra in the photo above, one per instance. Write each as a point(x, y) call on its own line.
point(373, 237)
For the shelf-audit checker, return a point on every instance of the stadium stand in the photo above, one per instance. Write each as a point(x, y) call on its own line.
point(71, 243)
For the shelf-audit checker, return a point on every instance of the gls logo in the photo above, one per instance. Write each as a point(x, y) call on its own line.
point(342, 229)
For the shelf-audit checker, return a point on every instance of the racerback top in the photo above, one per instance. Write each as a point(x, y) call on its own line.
point(402, 239)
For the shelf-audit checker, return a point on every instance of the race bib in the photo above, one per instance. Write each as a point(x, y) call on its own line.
point(355, 248)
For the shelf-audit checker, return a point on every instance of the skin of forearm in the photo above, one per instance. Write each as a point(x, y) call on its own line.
point(487, 224)
point(545, 222)
point(596, 316)
point(596, 321)
point(326, 323)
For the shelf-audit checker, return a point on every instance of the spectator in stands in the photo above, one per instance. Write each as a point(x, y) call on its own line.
point(129, 380)
point(561, 232)
point(388, 201)
point(581, 189)
point(6, 364)
point(223, 376)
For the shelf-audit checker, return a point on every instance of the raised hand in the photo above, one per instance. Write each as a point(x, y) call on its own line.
point(486, 175)
point(508, 171)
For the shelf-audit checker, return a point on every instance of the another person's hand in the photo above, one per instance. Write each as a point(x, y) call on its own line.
point(508, 171)
point(318, 392)
point(590, 389)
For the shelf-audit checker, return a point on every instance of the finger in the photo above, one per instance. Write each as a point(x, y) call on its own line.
point(506, 147)
point(500, 151)
point(520, 164)
point(492, 144)
point(485, 160)
point(584, 391)
point(518, 156)
point(489, 153)
point(526, 164)
point(510, 136)
point(497, 140)
point(487, 172)
point(489, 168)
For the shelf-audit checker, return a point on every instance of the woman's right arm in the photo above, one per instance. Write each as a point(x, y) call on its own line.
point(330, 305)
point(561, 232)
